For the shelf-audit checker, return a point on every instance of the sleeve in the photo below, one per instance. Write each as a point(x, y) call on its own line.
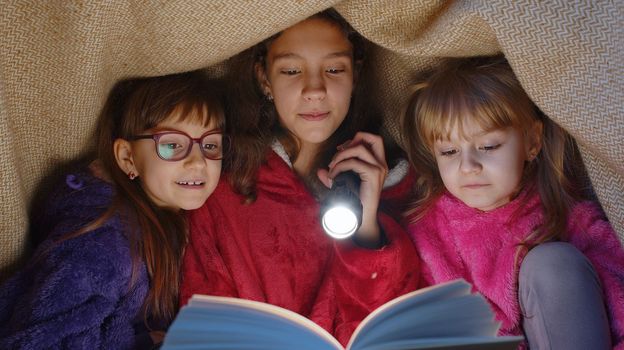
point(592, 234)
point(203, 269)
point(65, 296)
point(361, 280)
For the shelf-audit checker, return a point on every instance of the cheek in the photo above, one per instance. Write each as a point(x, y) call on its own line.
point(444, 168)
point(343, 92)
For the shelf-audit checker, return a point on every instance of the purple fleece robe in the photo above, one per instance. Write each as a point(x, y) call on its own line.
point(77, 294)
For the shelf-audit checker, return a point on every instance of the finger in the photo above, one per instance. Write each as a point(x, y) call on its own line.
point(374, 142)
point(323, 175)
point(367, 172)
point(360, 151)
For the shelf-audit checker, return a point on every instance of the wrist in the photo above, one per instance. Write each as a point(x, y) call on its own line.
point(370, 236)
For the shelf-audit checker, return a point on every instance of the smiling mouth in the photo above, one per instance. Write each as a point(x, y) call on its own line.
point(191, 183)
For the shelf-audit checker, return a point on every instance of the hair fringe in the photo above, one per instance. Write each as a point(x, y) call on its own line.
point(156, 235)
point(489, 91)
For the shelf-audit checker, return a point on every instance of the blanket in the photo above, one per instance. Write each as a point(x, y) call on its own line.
point(58, 59)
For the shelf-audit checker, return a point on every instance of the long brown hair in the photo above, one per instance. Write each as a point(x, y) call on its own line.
point(486, 89)
point(157, 235)
point(256, 123)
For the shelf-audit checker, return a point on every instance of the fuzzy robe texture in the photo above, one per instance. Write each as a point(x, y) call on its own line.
point(76, 294)
point(275, 251)
point(455, 241)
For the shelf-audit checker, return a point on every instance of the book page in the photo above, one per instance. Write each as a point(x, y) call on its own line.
point(443, 314)
point(210, 322)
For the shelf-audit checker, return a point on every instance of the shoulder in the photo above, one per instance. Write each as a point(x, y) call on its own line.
point(79, 187)
point(398, 188)
point(585, 216)
point(76, 197)
point(96, 253)
point(585, 213)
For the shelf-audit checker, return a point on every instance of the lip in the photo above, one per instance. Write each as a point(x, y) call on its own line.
point(314, 115)
point(191, 184)
point(474, 186)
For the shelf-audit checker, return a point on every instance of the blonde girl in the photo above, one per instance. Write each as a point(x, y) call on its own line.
point(497, 207)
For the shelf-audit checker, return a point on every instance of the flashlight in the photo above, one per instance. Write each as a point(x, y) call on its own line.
point(341, 211)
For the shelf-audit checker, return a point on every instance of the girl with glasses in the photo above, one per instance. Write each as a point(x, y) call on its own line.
point(107, 275)
point(304, 113)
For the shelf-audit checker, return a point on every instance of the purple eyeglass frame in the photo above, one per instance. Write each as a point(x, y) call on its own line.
point(158, 135)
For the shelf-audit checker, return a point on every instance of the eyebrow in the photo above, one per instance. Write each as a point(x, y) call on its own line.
point(285, 55)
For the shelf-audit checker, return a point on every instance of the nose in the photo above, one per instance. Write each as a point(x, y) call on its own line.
point(469, 162)
point(314, 88)
point(196, 158)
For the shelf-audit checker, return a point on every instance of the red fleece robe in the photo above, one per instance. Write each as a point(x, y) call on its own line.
point(456, 241)
point(275, 251)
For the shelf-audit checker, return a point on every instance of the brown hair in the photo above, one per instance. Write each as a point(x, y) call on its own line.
point(157, 235)
point(486, 90)
point(256, 123)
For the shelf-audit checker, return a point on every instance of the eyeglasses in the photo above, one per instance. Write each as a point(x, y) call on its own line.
point(176, 145)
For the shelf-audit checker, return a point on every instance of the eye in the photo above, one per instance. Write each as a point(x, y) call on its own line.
point(290, 71)
point(334, 70)
point(448, 153)
point(210, 146)
point(489, 148)
point(170, 145)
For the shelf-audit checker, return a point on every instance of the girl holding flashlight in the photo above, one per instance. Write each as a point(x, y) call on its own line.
point(301, 102)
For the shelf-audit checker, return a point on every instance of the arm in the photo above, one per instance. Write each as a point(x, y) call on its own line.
point(592, 234)
point(365, 156)
point(68, 296)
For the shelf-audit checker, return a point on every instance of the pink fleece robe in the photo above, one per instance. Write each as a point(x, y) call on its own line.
point(455, 241)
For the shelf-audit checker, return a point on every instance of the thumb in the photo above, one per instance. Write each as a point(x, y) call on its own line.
point(323, 175)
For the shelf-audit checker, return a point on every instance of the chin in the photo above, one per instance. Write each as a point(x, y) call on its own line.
point(192, 205)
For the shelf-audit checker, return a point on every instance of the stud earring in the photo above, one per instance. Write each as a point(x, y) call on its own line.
point(132, 175)
point(269, 97)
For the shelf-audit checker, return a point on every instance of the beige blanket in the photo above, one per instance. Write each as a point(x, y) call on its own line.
point(59, 58)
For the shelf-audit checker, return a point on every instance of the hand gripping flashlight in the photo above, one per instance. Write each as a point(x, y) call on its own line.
point(341, 211)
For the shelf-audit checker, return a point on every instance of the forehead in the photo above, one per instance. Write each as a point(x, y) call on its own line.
point(309, 39)
point(462, 128)
point(192, 119)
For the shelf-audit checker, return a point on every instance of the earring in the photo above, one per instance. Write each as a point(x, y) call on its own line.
point(131, 175)
point(269, 97)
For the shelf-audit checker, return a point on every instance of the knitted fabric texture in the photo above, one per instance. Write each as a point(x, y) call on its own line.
point(58, 60)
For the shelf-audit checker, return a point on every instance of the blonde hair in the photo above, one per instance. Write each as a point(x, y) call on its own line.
point(486, 90)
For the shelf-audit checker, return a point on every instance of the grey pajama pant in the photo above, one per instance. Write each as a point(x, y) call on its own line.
point(561, 299)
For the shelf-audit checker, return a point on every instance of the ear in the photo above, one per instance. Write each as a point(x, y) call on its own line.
point(535, 139)
point(262, 79)
point(123, 155)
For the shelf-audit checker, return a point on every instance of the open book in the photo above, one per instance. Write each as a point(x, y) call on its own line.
point(445, 316)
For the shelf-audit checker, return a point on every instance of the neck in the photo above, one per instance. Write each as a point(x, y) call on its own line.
point(305, 159)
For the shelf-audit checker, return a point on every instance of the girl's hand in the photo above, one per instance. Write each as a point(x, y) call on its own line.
point(365, 155)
